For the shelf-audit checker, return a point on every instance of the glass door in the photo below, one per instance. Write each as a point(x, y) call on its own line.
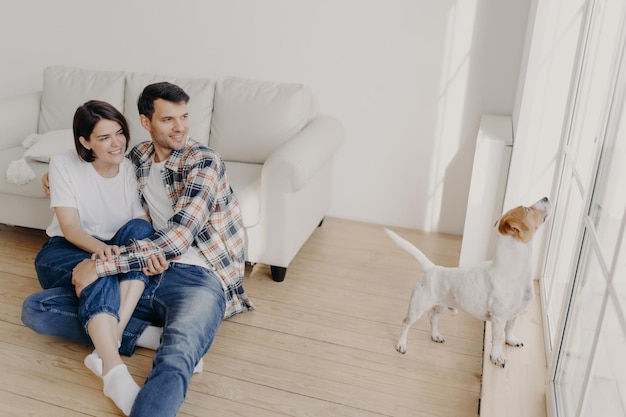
point(590, 372)
point(588, 104)
point(583, 286)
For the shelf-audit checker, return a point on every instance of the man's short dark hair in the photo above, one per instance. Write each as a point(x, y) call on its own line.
point(163, 90)
point(85, 119)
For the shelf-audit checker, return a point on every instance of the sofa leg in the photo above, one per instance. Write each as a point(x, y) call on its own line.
point(321, 222)
point(278, 273)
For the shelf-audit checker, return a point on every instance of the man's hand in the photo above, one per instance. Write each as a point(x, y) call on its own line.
point(45, 182)
point(84, 274)
point(156, 265)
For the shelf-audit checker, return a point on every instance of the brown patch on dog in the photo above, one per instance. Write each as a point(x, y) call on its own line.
point(520, 222)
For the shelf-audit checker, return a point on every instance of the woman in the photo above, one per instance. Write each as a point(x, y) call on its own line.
point(96, 205)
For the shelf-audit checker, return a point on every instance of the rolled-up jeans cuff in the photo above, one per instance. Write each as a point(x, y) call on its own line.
point(134, 276)
point(133, 330)
point(102, 310)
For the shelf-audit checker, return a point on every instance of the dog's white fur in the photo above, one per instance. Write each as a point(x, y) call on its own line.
point(496, 291)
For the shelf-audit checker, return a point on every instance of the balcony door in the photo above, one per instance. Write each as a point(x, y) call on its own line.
point(584, 279)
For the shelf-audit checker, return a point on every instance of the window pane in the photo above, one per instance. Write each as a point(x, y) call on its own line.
point(575, 354)
point(563, 243)
point(610, 197)
point(592, 93)
point(607, 384)
point(619, 280)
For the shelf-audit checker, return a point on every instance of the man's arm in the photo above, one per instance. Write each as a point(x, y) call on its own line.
point(196, 199)
point(85, 273)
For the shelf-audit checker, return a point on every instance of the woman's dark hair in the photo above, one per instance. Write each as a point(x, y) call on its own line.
point(164, 90)
point(86, 118)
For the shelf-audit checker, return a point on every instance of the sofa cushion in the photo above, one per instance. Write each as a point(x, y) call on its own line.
point(200, 104)
point(65, 88)
point(253, 118)
point(30, 189)
point(245, 180)
point(50, 143)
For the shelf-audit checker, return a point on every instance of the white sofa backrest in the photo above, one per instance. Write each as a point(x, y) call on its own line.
point(64, 89)
point(251, 119)
point(243, 120)
point(200, 104)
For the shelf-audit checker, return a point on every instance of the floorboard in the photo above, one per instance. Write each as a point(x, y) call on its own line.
point(319, 344)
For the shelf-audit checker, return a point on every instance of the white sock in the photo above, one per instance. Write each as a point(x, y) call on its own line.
point(120, 386)
point(150, 338)
point(199, 367)
point(93, 361)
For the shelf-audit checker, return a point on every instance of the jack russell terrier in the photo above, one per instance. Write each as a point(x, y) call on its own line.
point(495, 291)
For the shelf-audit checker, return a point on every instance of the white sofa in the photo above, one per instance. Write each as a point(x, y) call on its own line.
point(278, 150)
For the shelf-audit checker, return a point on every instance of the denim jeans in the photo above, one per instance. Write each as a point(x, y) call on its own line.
point(187, 301)
point(58, 257)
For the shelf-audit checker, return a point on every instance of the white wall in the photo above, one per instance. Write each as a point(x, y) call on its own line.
point(409, 79)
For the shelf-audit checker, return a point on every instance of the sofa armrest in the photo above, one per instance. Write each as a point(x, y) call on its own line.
point(293, 164)
point(19, 116)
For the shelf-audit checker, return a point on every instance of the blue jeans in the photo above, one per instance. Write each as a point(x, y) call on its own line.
point(58, 257)
point(187, 301)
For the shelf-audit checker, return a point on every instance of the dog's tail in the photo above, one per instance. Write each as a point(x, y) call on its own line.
point(409, 247)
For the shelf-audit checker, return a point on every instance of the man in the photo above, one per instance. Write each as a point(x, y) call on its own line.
point(184, 188)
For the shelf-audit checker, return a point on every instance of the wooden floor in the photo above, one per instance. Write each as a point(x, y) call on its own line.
point(321, 343)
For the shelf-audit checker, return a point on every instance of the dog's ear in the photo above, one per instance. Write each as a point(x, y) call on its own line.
point(510, 224)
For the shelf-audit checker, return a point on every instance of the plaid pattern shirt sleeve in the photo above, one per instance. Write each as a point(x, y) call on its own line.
point(206, 215)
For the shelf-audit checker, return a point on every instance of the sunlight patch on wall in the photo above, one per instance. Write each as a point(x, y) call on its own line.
point(451, 103)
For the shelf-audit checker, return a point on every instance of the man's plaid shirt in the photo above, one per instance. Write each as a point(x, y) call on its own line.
point(206, 215)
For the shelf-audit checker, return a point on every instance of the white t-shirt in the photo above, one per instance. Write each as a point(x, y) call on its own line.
point(161, 210)
point(104, 204)
point(155, 194)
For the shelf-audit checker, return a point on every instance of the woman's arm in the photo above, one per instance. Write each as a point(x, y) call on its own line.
point(73, 232)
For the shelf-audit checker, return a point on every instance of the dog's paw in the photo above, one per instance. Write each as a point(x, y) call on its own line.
point(514, 341)
point(401, 347)
point(437, 338)
point(498, 360)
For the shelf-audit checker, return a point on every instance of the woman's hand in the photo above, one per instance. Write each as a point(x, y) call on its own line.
point(106, 252)
point(45, 183)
